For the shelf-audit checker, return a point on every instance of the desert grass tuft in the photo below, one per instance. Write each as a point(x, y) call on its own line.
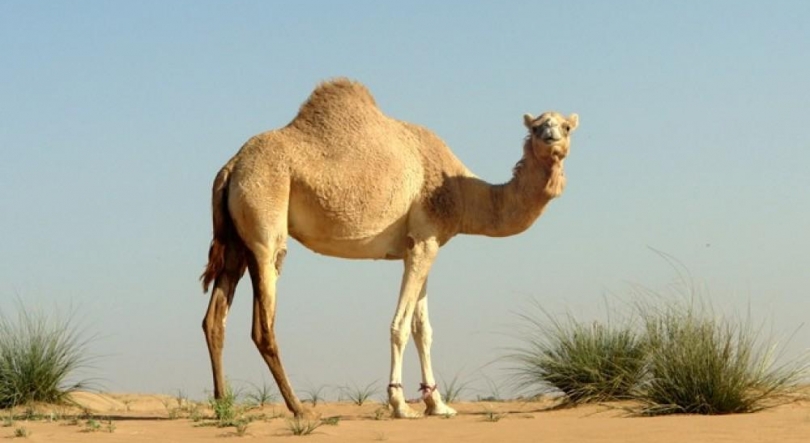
point(331, 421)
point(261, 395)
point(677, 355)
point(359, 395)
point(702, 363)
point(301, 426)
point(225, 408)
point(92, 425)
point(315, 395)
point(453, 390)
point(382, 413)
point(241, 427)
point(40, 355)
point(587, 362)
point(490, 415)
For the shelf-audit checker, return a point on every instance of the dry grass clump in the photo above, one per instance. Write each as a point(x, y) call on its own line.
point(671, 357)
point(301, 426)
point(701, 363)
point(588, 362)
point(39, 354)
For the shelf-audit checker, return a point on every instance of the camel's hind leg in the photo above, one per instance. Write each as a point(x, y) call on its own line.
point(214, 321)
point(259, 209)
point(264, 266)
point(423, 337)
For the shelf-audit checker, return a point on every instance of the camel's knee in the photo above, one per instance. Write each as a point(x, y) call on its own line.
point(399, 335)
point(264, 339)
point(422, 330)
point(213, 324)
point(259, 338)
point(214, 329)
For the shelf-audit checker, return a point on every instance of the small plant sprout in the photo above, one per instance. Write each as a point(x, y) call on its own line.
point(92, 425)
point(381, 413)
point(241, 427)
point(315, 395)
point(491, 415)
point(331, 421)
point(493, 391)
point(261, 395)
point(301, 427)
point(359, 395)
point(225, 407)
point(454, 389)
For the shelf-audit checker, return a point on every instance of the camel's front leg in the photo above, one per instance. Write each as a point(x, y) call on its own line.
point(418, 260)
point(423, 337)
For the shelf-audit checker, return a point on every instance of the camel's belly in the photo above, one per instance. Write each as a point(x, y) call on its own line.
point(350, 242)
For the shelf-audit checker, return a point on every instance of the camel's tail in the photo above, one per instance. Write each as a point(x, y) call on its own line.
point(225, 235)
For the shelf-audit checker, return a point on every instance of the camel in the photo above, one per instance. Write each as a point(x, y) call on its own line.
point(345, 180)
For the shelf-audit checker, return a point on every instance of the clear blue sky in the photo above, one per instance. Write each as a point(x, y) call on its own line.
point(115, 117)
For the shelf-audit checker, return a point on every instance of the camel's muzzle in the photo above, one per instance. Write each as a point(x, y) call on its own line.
point(549, 133)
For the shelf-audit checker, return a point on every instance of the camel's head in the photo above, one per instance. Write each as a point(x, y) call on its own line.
point(550, 134)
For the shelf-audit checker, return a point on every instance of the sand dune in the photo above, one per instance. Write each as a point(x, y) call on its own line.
point(149, 418)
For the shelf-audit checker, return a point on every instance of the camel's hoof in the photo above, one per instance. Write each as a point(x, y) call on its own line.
point(305, 414)
point(405, 411)
point(442, 410)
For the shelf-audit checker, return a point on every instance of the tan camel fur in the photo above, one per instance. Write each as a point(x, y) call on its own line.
point(347, 181)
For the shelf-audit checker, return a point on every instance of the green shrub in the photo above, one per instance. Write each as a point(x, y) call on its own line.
point(587, 362)
point(301, 427)
point(699, 363)
point(225, 408)
point(261, 395)
point(359, 394)
point(453, 390)
point(39, 355)
point(682, 358)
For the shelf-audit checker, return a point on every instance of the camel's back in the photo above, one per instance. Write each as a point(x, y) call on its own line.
point(354, 173)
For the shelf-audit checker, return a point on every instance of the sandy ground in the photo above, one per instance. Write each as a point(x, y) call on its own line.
point(153, 418)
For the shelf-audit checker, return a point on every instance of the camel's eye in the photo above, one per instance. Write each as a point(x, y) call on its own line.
point(566, 127)
point(537, 130)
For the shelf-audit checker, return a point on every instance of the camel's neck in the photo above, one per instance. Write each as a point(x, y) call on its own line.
point(510, 208)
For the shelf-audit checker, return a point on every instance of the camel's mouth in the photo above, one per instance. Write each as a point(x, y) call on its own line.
point(549, 132)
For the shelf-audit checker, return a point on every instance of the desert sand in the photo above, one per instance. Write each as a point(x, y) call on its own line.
point(148, 418)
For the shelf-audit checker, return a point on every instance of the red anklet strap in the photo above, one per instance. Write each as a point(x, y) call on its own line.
point(426, 389)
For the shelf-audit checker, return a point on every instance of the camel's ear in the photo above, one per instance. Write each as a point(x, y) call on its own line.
point(573, 121)
point(527, 120)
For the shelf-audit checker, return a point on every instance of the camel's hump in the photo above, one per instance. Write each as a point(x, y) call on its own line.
point(339, 90)
point(337, 102)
